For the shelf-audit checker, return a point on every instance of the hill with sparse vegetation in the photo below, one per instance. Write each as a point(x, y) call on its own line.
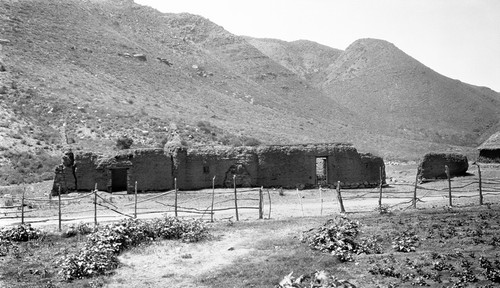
point(82, 74)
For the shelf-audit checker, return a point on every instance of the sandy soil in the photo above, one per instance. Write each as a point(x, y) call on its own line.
point(177, 264)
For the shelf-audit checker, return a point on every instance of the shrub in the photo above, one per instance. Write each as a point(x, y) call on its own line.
point(316, 279)
point(338, 237)
point(205, 126)
point(99, 255)
point(383, 209)
point(124, 142)
point(84, 228)
point(491, 270)
point(406, 241)
point(21, 233)
point(250, 141)
point(6, 246)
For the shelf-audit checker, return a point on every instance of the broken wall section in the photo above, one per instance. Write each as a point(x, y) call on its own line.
point(151, 168)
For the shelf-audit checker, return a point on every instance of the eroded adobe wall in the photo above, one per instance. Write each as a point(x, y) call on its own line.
point(152, 169)
point(372, 167)
point(345, 166)
point(202, 164)
point(269, 166)
point(87, 173)
point(286, 166)
point(78, 173)
point(354, 170)
point(432, 165)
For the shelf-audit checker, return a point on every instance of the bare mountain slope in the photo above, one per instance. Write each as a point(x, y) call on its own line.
point(398, 95)
point(392, 93)
point(83, 61)
point(307, 59)
point(80, 74)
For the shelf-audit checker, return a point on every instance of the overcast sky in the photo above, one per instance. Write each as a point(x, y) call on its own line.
point(457, 38)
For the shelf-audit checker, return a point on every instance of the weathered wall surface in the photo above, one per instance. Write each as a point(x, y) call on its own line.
point(372, 167)
point(295, 166)
point(489, 155)
point(285, 166)
point(81, 174)
point(432, 165)
point(88, 173)
point(152, 169)
point(201, 165)
point(270, 166)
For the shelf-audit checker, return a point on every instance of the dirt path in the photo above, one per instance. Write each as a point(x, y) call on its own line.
point(175, 264)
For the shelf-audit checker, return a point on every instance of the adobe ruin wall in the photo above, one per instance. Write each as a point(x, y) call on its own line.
point(269, 166)
point(432, 166)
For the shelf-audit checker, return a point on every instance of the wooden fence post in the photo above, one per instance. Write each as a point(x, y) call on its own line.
point(300, 201)
point(60, 215)
point(235, 199)
point(175, 205)
point(22, 206)
point(447, 170)
point(321, 199)
point(269, 197)
point(135, 200)
point(380, 195)
point(261, 204)
point(213, 199)
point(480, 184)
point(339, 197)
point(414, 200)
point(95, 205)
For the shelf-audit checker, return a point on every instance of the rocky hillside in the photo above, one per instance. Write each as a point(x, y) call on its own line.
point(391, 92)
point(80, 74)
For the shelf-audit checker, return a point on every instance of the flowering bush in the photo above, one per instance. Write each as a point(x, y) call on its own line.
point(21, 233)
point(99, 255)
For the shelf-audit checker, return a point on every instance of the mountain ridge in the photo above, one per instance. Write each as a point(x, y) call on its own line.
point(81, 74)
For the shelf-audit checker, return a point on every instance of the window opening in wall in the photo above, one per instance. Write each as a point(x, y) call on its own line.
point(206, 169)
point(119, 179)
point(321, 171)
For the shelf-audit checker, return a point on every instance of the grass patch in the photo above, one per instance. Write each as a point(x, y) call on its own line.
point(272, 255)
point(437, 248)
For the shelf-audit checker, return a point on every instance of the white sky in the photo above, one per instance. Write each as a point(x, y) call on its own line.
point(457, 38)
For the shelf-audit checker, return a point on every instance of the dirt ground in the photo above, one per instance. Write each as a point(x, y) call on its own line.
point(178, 263)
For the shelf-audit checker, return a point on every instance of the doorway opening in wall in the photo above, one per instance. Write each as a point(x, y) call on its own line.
point(119, 179)
point(321, 171)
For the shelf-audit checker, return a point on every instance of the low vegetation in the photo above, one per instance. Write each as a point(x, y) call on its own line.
point(434, 248)
point(454, 247)
point(96, 255)
point(124, 142)
point(339, 237)
point(26, 167)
